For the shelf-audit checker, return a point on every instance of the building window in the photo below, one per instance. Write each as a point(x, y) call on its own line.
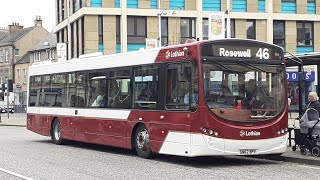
point(164, 31)
point(6, 73)
point(36, 56)
point(80, 3)
point(18, 73)
point(1, 55)
point(205, 29)
point(187, 29)
point(177, 4)
point(304, 33)
point(251, 29)
point(51, 54)
point(117, 3)
point(232, 26)
point(311, 7)
point(6, 55)
point(154, 4)
point(96, 3)
point(62, 10)
point(239, 5)
point(77, 38)
point(288, 6)
point(24, 75)
point(100, 33)
point(137, 30)
point(82, 35)
point(261, 5)
point(75, 8)
point(118, 30)
point(213, 5)
point(279, 33)
point(132, 4)
point(17, 52)
point(72, 40)
point(58, 11)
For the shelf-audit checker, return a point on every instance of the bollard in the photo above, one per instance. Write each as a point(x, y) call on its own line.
point(0, 117)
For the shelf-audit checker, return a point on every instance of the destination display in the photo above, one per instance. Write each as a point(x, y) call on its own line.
point(246, 51)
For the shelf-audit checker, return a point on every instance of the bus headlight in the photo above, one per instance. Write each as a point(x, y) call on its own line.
point(210, 132)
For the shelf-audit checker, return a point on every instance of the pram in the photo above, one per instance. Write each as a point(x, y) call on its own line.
point(308, 136)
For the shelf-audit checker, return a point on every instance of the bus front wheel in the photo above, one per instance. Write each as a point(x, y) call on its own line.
point(56, 132)
point(142, 142)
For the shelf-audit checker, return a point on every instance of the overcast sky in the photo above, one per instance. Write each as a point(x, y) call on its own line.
point(24, 12)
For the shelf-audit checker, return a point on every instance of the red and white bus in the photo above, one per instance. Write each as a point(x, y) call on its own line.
point(208, 98)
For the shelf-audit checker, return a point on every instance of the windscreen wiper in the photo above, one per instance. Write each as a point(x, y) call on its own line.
point(251, 66)
point(221, 65)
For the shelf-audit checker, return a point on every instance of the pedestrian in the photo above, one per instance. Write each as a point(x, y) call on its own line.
point(313, 101)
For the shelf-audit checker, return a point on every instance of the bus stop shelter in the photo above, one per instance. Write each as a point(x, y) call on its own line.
point(300, 61)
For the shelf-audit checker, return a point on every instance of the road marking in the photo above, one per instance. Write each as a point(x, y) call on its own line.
point(15, 174)
point(312, 167)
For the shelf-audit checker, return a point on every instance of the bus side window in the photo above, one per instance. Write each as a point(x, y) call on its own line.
point(146, 86)
point(71, 89)
point(81, 90)
point(119, 89)
point(178, 89)
point(35, 89)
point(97, 97)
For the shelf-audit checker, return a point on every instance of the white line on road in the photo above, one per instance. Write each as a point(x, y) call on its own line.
point(15, 174)
point(312, 167)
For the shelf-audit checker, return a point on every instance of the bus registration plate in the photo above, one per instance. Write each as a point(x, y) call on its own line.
point(247, 151)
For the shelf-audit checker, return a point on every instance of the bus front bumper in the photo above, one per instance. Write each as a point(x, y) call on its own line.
point(191, 145)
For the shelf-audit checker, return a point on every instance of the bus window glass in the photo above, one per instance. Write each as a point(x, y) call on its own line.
point(119, 89)
point(178, 91)
point(146, 86)
point(47, 99)
point(242, 92)
point(35, 91)
point(71, 85)
point(81, 90)
point(59, 89)
point(97, 90)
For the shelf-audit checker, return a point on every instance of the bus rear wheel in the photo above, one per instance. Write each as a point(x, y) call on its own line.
point(142, 142)
point(56, 132)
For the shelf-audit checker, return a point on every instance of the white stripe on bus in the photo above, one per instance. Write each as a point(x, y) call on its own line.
point(90, 113)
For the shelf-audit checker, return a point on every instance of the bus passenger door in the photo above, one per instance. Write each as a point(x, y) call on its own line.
point(174, 122)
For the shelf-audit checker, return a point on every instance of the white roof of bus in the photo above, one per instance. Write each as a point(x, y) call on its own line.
point(96, 62)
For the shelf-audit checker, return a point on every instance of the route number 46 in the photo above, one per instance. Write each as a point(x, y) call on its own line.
point(263, 53)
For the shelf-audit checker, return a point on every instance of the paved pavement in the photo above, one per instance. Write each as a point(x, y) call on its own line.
point(15, 119)
point(19, 119)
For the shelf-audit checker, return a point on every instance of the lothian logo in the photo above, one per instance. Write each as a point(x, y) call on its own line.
point(249, 133)
point(173, 54)
point(168, 54)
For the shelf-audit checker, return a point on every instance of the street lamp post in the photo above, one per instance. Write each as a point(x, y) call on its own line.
point(160, 13)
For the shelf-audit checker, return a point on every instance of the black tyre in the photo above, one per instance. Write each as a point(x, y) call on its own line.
point(294, 148)
point(142, 142)
point(315, 151)
point(56, 133)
